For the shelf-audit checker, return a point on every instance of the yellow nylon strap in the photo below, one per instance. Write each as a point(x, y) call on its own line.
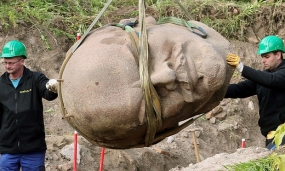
point(152, 106)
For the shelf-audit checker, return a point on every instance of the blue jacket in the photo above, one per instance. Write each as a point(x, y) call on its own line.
point(270, 90)
point(21, 113)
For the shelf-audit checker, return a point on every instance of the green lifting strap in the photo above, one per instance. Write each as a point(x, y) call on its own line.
point(188, 24)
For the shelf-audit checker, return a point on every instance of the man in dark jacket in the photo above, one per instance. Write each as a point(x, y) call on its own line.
point(22, 132)
point(268, 85)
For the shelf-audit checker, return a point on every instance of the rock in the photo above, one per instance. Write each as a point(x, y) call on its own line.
point(224, 102)
point(250, 105)
point(68, 150)
point(236, 126)
point(213, 120)
point(243, 130)
point(65, 166)
point(55, 157)
point(184, 134)
point(214, 112)
point(161, 151)
point(197, 134)
point(170, 139)
point(217, 110)
point(209, 115)
point(59, 142)
point(224, 126)
point(221, 116)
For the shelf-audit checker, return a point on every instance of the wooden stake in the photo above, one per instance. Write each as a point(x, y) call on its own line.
point(195, 146)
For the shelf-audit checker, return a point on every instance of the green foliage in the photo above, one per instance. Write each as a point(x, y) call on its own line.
point(274, 162)
point(279, 134)
point(50, 110)
point(59, 17)
point(229, 19)
point(67, 17)
point(235, 74)
point(278, 162)
point(264, 164)
point(202, 118)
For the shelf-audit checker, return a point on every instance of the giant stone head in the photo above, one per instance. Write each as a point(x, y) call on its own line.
point(102, 95)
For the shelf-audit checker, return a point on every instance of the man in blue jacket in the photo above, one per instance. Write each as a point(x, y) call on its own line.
point(22, 132)
point(268, 85)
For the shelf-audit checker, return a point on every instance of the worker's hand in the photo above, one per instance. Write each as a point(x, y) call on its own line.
point(234, 60)
point(52, 85)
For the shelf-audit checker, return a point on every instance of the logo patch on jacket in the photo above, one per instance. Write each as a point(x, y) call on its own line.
point(25, 91)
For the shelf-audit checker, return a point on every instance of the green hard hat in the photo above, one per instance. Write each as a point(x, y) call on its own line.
point(269, 44)
point(14, 48)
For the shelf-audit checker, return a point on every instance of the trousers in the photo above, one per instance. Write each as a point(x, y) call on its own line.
point(269, 144)
point(27, 162)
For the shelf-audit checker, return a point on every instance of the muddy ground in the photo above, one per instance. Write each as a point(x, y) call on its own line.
point(218, 137)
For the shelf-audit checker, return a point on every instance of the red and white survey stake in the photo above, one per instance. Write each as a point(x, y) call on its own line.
point(243, 143)
point(75, 152)
point(102, 159)
point(78, 36)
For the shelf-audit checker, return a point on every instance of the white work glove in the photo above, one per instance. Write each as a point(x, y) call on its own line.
point(240, 67)
point(52, 85)
point(234, 60)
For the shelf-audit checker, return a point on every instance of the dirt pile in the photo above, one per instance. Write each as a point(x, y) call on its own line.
point(219, 161)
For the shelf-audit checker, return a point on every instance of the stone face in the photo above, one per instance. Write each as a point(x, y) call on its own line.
point(102, 95)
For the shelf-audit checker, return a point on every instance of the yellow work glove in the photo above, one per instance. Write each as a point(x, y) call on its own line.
point(234, 60)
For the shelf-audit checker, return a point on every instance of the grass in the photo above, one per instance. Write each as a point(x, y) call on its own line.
point(59, 18)
point(272, 163)
point(228, 18)
point(50, 110)
point(67, 17)
point(264, 164)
